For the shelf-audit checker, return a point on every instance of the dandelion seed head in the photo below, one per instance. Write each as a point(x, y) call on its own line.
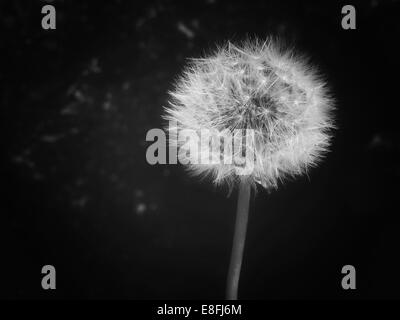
point(260, 86)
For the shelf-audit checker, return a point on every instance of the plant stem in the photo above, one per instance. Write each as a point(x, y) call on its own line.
point(239, 238)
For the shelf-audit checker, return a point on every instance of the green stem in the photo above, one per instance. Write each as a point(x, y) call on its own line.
point(239, 238)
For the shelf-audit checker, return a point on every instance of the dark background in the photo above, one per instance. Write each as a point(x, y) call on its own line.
point(77, 193)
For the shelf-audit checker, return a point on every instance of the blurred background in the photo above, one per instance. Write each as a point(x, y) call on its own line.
point(77, 192)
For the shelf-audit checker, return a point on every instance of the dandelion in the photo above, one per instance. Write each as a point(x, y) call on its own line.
point(256, 86)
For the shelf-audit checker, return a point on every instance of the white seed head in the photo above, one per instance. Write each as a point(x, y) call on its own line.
point(259, 86)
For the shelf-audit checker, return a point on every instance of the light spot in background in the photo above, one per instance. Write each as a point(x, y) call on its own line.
point(48, 138)
point(140, 22)
point(374, 3)
point(93, 67)
point(185, 30)
point(113, 177)
point(69, 109)
point(74, 131)
point(151, 14)
point(80, 202)
point(153, 206)
point(78, 95)
point(18, 159)
point(375, 141)
point(195, 23)
point(126, 86)
point(79, 182)
point(107, 104)
point(141, 209)
point(23, 160)
point(380, 140)
point(282, 28)
point(38, 176)
point(138, 193)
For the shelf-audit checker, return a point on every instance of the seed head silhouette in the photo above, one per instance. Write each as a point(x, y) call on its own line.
point(256, 86)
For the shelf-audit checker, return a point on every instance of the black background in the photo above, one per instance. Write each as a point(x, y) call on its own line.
point(77, 193)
